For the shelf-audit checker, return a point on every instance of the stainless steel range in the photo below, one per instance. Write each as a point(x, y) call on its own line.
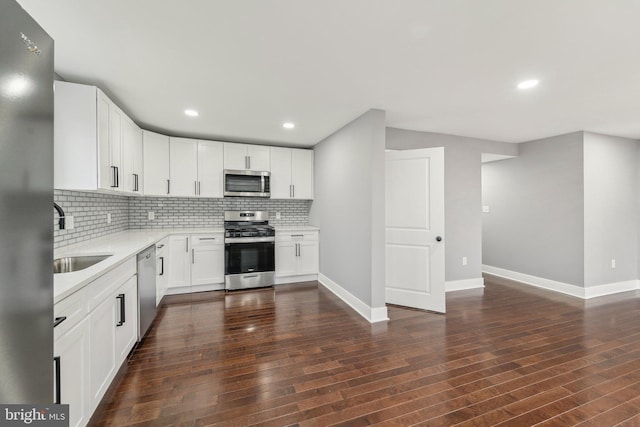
point(249, 250)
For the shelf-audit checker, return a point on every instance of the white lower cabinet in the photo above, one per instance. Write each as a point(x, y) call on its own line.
point(162, 278)
point(72, 372)
point(97, 328)
point(297, 253)
point(179, 265)
point(207, 259)
point(195, 260)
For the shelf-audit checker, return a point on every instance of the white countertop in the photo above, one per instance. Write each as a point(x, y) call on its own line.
point(122, 246)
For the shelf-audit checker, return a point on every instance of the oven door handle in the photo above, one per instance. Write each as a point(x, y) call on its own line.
point(249, 240)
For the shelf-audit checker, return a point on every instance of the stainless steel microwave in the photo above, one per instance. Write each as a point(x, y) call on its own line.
point(245, 183)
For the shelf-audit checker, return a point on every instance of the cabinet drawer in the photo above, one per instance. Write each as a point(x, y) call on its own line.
point(105, 285)
point(291, 236)
point(73, 308)
point(207, 239)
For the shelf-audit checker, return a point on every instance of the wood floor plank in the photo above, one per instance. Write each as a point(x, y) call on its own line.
point(296, 355)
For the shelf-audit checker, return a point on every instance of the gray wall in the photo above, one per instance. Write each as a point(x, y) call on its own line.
point(349, 206)
point(610, 215)
point(536, 220)
point(463, 214)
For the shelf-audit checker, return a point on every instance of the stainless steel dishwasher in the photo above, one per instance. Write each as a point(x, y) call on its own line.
point(146, 289)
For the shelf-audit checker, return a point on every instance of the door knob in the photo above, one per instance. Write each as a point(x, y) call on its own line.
point(438, 239)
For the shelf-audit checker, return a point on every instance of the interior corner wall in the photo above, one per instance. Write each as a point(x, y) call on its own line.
point(610, 209)
point(349, 207)
point(463, 192)
point(535, 223)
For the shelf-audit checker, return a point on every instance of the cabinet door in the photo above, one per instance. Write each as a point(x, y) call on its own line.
point(127, 320)
point(281, 173)
point(131, 157)
point(103, 343)
point(286, 259)
point(155, 163)
point(301, 173)
point(207, 264)
point(106, 179)
point(308, 254)
point(210, 165)
point(162, 249)
point(235, 156)
point(73, 350)
point(115, 145)
point(183, 169)
point(179, 266)
point(259, 156)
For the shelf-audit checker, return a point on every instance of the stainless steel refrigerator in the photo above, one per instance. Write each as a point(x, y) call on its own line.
point(26, 208)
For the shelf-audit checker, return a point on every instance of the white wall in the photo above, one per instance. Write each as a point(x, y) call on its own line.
point(463, 215)
point(349, 207)
point(610, 215)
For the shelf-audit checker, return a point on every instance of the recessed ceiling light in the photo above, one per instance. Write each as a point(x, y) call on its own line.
point(288, 125)
point(528, 84)
point(191, 113)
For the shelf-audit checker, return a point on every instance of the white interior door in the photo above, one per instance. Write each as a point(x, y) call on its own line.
point(414, 246)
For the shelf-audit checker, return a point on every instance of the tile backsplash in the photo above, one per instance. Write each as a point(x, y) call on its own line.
point(90, 213)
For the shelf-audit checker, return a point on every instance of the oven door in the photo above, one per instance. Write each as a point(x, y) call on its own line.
point(249, 256)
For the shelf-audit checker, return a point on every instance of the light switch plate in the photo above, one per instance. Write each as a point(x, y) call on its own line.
point(108, 218)
point(152, 216)
point(485, 209)
point(69, 223)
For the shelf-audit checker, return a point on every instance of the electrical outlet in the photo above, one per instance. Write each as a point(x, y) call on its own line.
point(69, 223)
point(464, 260)
point(152, 216)
point(108, 218)
point(613, 263)
point(485, 209)
point(278, 216)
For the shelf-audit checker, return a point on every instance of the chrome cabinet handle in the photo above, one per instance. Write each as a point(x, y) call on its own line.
point(114, 174)
point(199, 188)
point(195, 187)
point(168, 186)
point(186, 244)
point(161, 266)
point(193, 256)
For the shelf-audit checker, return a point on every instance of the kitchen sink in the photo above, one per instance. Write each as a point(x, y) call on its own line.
point(75, 263)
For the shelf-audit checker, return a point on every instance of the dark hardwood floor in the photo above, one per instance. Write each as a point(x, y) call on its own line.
point(507, 355)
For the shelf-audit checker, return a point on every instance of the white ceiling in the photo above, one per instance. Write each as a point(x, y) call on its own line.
point(447, 66)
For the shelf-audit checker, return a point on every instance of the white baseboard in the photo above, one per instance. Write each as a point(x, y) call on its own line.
point(295, 279)
point(462, 285)
point(611, 288)
point(372, 314)
point(565, 288)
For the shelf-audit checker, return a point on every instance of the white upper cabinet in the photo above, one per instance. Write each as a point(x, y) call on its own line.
point(195, 167)
point(246, 157)
point(291, 173)
point(183, 169)
point(210, 165)
point(156, 164)
point(132, 175)
point(88, 140)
